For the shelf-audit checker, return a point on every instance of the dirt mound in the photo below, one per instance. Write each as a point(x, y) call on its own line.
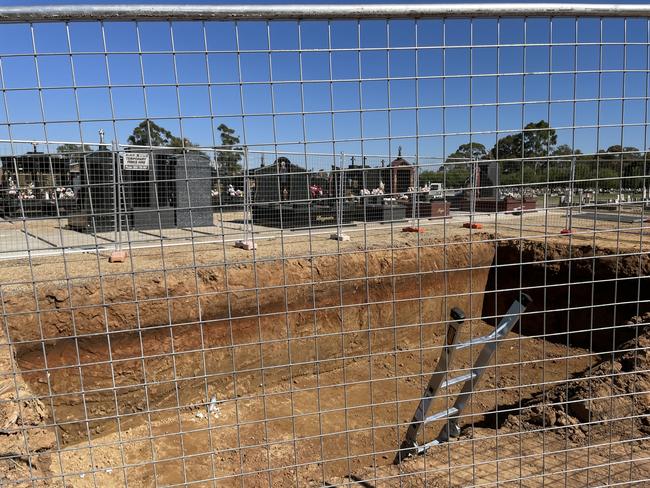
point(614, 395)
point(190, 294)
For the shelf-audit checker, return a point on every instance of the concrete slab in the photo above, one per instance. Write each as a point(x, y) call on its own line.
point(63, 237)
point(13, 240)
point(610, 217)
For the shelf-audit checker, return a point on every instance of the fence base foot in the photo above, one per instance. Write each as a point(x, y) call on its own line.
point(411, 228)
point(475, 225)
point(246, 245)
point(339, 237)
point(566, 232)
point(117, 257)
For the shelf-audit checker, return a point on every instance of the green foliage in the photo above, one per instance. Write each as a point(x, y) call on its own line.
point(564, 150)
point(73, 148)
point(451, 175)
point(230, 155)
point(610, 169)
point(536, 140)
point(148, 133)
point(468, 152)
point(429, 176)
point(456, 177)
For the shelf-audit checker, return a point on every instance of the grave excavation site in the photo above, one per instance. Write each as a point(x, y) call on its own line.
point(200, 370)
point(318, 246)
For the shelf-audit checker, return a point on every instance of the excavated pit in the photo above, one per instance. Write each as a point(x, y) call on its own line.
point(244, 329)
point(280, 341)
point(582, 296)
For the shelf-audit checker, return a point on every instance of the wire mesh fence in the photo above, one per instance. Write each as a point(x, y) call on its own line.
point(329, 247)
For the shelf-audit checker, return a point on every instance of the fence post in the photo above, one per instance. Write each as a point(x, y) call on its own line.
point(119, 254)
point(247, 243)
point(340, 193)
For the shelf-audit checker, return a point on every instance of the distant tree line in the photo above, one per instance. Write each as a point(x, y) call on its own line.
point(533, 156)
point(148, 133)
point(527, 157)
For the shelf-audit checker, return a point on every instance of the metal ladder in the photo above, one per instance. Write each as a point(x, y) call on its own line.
point(440, 378)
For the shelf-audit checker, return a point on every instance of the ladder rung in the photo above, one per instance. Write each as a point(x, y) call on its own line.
point(421, 449)
point(441, 415)
point(457, 379)
point(473, 342)
point(493, 336)
point(480, 340)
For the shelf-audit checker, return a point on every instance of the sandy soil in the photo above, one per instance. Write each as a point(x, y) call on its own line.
point(316, 361)
point(217, 249)
point(301, 419)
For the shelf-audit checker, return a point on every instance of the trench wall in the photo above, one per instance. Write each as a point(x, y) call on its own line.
point(581, 294)
point(153, 341)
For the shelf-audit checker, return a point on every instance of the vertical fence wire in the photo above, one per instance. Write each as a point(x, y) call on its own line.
point(230, 249)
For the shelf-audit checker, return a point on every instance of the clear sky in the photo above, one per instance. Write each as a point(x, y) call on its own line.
point(383, 84)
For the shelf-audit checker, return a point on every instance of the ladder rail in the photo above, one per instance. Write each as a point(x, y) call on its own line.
point(441, 373)
point(485, 356)
point(440, 379)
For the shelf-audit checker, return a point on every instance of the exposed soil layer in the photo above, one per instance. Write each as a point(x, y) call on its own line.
point(314, 426)
point(314, 363)
point(585, 292)
point(590, 431)
point(25, 437)
point(614, 397)
point(231, 329)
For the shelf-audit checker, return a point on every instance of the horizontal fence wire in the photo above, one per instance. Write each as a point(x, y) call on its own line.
point(330, 245)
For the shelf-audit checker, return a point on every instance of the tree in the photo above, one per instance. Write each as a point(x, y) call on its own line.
point(536, 140)
point(148, 133)
point(565, 150)
point(468, 152)
point(456, 177)
point(455, 172)
point(429, 176)
point(618, 152)
point(626, 161)
point(72, 148)
point(230, 154)
point(539, 139)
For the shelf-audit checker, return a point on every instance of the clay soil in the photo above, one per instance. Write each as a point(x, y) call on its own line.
point(305, 370)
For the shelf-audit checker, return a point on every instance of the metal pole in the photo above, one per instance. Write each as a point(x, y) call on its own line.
point(121, 200)
point(339, 218)
point(256, 12)
point(569, 214)
point(247, 243)
point(116, 195)
point(339, 192)
point(473, 181)
point(416, 188)
point(245, 194)
point(118, 255)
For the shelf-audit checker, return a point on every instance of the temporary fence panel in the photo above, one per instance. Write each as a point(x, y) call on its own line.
point(237, 244)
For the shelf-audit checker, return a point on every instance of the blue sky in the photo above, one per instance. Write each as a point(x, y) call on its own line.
point(378, 95)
